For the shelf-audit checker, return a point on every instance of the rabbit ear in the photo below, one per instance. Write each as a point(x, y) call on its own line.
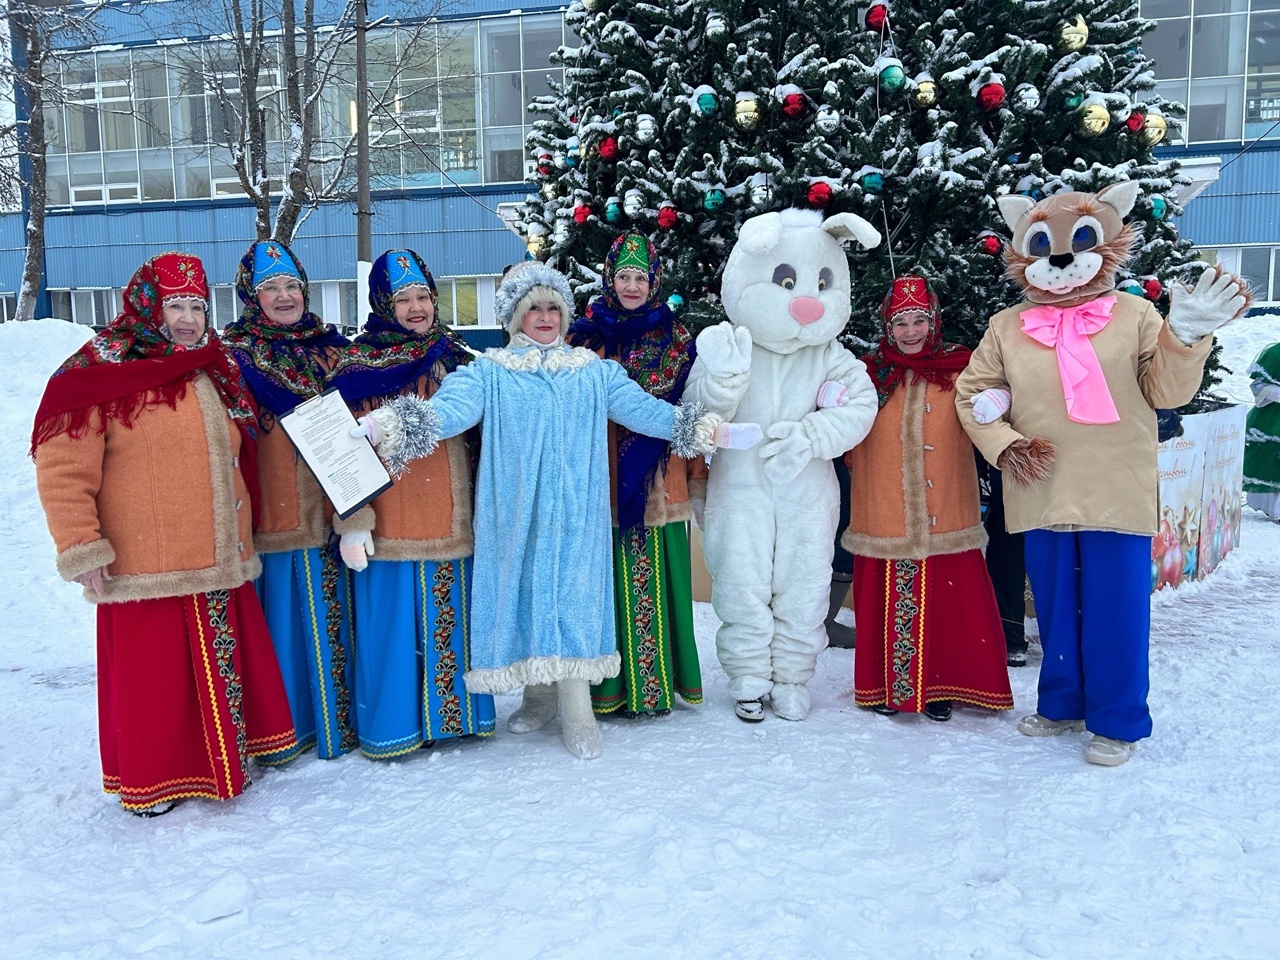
point(1013, 207)
point(1121, 196)
point(760, 234)
point(850, 226)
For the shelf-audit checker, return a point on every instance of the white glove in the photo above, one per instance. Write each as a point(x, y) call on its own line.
point(787, 453)
point(367, 427)
point(1217, 298)
point(725, 352)
point(738, 436)
point(356, 547)
point(95, 579)
point(991, 405)
point(832, 393)
point(1264, 393)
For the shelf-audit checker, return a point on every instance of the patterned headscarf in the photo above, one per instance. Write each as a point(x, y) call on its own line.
point(283, 365)
point(657, 352)
point(133, 365)
point(386, 359)
point(935, 362)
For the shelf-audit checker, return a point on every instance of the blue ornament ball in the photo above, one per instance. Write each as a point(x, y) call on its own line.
point(1131, 286)
point(713, 199)
point(871, 182)
point(613, 211)
point(675, 302)
point(1159, 207)
point(708, 103)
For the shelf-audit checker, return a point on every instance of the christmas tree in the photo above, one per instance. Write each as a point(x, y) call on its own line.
point(683, 119)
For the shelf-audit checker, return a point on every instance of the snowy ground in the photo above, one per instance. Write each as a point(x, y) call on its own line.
point(695, 836)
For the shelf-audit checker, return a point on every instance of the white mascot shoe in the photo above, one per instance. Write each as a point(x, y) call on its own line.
point(771, 513)
point(1106, 752)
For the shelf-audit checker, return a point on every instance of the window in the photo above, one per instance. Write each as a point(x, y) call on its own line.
point(226, 308)
point(1169, 45)
point(1218, 46)
point(458, 305)
point(8, 306)
point(1255, 267)
point(348, 307)
point(60, 304)
point(1216, 110)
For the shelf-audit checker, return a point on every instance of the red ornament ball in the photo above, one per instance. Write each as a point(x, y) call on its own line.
point(581, 213)
point(1135, 122)
point(989, 244)
point(877, 14)
point(793, 105)
point(819, 194)
point(609, 148)
point(667, 217)
point(545, 166)
point(1152, 287)
point(991, 96)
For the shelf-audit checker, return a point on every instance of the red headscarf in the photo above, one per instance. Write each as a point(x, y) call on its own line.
point(133, 366)
point(935, 362)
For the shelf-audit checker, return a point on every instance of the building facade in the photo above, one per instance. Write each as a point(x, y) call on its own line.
point(138, 161)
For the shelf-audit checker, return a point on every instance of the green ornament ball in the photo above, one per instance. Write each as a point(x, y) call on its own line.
point(892, 78)
point(713, 199)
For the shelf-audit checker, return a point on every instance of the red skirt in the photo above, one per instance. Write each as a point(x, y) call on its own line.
point(928, 630)
point(188, 690)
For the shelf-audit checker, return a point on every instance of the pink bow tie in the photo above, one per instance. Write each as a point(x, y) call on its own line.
point(1067, 330)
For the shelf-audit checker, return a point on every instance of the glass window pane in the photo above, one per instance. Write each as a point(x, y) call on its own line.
point(420, 96)
point(1220, 6)
point(420, 159)
point(1255, 267)
point(503, 154)
point(82, 128)
point(444, 306)
point(1264, 43)
point(458, 155)
point(190, 120)
point(191, 170)
point(157, 174)
point(349, 315)
point(1168, 45)
point(82, 306)
point(458, 98)
point(78, 70)
point(499, 46)
point(1275, 278)
point(1216, 111)
point(60, 304)
point(117, 127)
point(536, 84)
point(57, 190)
point(150, 77)
point(542, 35)
point(457, 50)
point(1262, 106)
point(1153, 9)
point(86, 170)
point(54, 134)
point(1219, 45)
point(225, 308)
point(120, 167)
point(466, 312)
point(502, 99)
point(153, 123)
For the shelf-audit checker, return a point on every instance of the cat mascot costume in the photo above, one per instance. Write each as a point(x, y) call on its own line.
point(1061, 396)
point(771, 512)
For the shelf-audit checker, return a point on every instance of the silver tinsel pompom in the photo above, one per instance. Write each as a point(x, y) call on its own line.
point(420, 431)
point(683, 441)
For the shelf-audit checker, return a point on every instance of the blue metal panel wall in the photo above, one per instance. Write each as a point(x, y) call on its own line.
point(142, 23)
point(1243, 206)
point(12, 244)
point(96, 248)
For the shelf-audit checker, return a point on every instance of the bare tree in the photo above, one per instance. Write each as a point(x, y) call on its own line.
point(37, 27)
point(269, 86)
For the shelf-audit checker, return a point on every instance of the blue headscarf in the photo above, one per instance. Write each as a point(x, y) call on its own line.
point(283, 365)
point(386, 360)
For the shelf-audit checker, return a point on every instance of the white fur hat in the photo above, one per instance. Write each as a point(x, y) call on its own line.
point(529, 283)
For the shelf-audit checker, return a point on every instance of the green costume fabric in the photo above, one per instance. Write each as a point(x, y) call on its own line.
point(653, 606)
point(1262, 428)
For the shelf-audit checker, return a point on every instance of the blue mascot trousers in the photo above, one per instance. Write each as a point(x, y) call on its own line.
point(1092, 593)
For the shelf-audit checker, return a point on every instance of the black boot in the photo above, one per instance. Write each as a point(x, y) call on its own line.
point(939, 710)
point(838, 635)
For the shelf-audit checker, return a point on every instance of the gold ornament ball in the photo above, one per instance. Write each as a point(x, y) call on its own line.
point(1093, 120)
point(1073, 36)
point(746, 114)
point(926, 94)
point(537, 246)
point(1153, 129)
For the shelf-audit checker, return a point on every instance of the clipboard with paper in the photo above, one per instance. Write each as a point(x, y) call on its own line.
point(346, 467)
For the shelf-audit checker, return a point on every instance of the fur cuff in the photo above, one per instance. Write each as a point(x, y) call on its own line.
point(542, 670)
point(694, 430)
point(1026, 462)
point(84, 557)
point(412, 429)
point(362, 519)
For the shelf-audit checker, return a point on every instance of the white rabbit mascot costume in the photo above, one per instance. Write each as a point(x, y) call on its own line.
point(771, 513)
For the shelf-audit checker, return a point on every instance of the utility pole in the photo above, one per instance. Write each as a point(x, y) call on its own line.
point(364, 205)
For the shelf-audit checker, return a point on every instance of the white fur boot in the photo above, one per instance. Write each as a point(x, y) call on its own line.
point(536, 710)
point(578, 721)
point(790, 700)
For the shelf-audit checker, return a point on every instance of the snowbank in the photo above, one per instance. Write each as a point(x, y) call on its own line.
point(695, 836)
